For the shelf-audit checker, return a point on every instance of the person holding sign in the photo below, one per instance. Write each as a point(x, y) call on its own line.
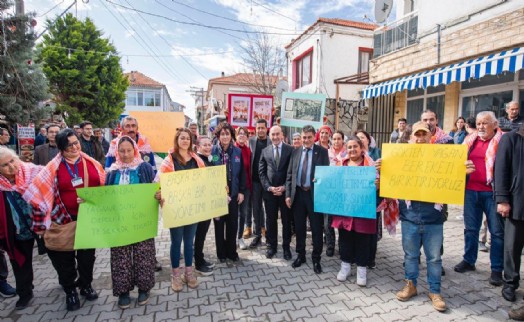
point(53, 191)
point(181, 158)
point(226, 153)
point(478, 199)
point(422, 225)
point(299, 196)
point(16, 238)
point(355, 234)
point(132, 264)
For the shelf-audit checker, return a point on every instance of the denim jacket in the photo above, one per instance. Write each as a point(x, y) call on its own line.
point(421, 213)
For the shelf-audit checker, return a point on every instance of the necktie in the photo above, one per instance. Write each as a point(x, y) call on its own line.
point(303, 175)
point(277, 156)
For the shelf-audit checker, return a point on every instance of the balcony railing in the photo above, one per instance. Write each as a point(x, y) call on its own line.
point(397, 35)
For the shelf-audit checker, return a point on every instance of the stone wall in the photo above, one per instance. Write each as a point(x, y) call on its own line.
point(351, 115)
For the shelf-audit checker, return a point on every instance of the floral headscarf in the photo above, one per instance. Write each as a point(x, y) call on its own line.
point(119, 164)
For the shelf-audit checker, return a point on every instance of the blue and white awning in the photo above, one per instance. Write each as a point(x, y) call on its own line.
point(509, 60)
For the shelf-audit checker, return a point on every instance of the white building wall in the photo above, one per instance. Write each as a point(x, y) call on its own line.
point(335, 55)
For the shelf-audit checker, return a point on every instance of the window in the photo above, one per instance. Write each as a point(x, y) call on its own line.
point(303, 69)
point(495, 102)
point(149, 99)
point(143, 98)
point(488, 80)
point(131, 98)
point(419, 100)
point(364, 55)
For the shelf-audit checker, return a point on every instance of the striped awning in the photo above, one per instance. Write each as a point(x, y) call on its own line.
point(509, 60)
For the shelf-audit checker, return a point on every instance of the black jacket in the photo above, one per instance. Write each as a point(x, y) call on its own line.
point(509, 172)
point(270, 175)
point(320, 157)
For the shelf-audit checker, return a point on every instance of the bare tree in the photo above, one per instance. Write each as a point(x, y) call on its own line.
point(264, 61)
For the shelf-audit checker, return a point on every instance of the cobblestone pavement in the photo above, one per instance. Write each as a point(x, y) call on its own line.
point(260, 289)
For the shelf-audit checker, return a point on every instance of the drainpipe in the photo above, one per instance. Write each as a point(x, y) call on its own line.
point(438, 43)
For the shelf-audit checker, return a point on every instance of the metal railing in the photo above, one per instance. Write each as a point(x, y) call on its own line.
point(397, 35)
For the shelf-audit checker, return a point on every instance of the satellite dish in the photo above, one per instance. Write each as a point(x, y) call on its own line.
point(282, 86)
point(383, 10)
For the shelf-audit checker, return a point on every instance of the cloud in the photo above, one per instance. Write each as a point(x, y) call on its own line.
point(224, 59)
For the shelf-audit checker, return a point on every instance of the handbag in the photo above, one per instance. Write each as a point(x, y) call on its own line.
point(62, 237)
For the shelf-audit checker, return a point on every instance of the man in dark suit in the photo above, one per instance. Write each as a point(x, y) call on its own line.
point(299, 195)
point(46, 152)
point(257, 144)
point(272, 169)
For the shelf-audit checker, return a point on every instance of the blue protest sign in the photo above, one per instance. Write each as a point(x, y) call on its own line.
point(346, 191)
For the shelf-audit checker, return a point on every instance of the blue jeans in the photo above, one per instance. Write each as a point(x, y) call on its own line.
point(475, 204)
point(431, 238)
point(187, 233)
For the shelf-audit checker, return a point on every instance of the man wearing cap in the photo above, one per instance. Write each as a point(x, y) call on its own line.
point(479, 199)
point(513, 119)
point(422, 225)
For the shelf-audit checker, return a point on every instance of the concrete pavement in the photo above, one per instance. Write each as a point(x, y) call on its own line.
point(260, 289)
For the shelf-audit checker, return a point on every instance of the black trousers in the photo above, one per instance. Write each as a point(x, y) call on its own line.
point(513, 244)
point(24, 273)
point(200, 237)
point(302, 208)
point(228, 224)
point(3, 266)
point(355, 247)
point(329, 232)
point(273, 204)
point(72, 265)
point(259, 217)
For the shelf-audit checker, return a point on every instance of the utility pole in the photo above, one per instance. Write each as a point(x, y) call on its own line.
point(198, 92)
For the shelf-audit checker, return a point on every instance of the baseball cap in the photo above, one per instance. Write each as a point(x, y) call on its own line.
point(419, 126)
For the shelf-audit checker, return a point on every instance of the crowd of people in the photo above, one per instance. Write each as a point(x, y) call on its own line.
point(267, 179)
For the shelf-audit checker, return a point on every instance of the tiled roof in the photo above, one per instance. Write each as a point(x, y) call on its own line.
point(338, 22)
point(140, 80)
point(240, 79)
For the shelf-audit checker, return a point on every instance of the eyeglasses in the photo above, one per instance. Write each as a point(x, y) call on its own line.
point(70, 145)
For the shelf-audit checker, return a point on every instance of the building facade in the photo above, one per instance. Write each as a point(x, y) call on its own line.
point(145, 94)
point(456, 62)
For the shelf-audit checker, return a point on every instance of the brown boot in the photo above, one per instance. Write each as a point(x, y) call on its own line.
point(408, 291)
point(247, 233)
point(517, 314)
point(176, 280)
point(189, 278)
point(438, 302)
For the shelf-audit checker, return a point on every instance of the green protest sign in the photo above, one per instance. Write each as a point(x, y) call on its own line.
point(113, 216)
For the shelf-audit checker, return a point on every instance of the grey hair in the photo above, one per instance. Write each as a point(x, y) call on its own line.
point(512, 103)
point(127, 118)
point(7, 152)
point(490, 115)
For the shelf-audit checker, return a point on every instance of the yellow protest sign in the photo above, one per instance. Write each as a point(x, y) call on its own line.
point(191, 196)
point(424, 172)
point(159, 128)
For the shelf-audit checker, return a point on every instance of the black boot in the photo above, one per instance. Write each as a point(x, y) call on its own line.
point(89, 293)
point(72, 301)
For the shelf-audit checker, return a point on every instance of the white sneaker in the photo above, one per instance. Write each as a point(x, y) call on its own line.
point(345, 271)
point(242, 244)
point(362, 273)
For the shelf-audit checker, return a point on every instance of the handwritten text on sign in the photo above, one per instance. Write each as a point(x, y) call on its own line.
point(424, 172)
point(191, 196)
point(113, 216)
point(346, 191)
point(159, 128)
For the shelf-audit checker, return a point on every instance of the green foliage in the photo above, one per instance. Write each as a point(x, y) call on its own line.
point(83, 70)
point(22, 83)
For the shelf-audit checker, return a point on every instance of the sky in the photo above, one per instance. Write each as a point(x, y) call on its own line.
point(184, 43)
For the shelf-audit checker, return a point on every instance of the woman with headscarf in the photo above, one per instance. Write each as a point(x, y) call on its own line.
point(131, 264)
point(16, 238)
point(337, 151)
point(53, 191)
point(323, 136)
point(354, 233)
point(226, 153)
point(181, 157)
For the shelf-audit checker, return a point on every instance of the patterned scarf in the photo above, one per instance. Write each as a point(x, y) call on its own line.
point(119, 164)
point(168, 164)
point(40, 193)
point(490, 153)
point(143, 145)
point(225, 155)
point(440, 137)
point(26, 173)
point(334, 157)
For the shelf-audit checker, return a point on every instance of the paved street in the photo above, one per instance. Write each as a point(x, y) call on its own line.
point(259, 289)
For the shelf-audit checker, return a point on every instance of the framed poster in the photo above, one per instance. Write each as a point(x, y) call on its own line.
point(301, 109)
point(246, 109)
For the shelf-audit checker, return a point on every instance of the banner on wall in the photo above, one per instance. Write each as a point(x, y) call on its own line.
point(26, 142)
point(246, 109)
